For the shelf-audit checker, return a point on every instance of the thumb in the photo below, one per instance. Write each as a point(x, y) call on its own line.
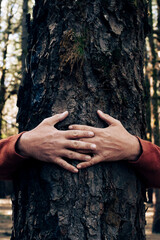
point(107, 118)
point(56, 118)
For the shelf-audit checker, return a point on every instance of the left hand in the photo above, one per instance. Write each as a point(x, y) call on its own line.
point(113, 143)
point(48, 144)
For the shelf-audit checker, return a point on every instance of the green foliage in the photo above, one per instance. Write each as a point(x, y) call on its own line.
point(133, 3)
point(80, 45)
point(72, 49)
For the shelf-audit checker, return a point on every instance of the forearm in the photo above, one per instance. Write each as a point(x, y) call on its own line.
point(148, 164)
point(10, 160)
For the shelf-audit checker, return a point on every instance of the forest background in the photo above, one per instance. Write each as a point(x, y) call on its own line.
point(13, 51)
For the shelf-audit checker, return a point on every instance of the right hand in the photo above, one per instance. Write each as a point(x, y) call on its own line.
point(113, 143)
point(48, 144)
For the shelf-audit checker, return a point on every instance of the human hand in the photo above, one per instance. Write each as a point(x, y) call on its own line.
point(113, 143)
point(48, 144)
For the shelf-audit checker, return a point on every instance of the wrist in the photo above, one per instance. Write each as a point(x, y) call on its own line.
point(21, 145)
point(135, 149)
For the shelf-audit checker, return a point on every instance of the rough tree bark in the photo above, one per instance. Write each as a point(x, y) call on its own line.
point(83, 56)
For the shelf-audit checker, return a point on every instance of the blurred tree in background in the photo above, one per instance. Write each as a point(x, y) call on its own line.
point(13, 45)
point(154, 79)
point(13, 50)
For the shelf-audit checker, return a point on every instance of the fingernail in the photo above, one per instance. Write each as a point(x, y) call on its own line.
point(91, 134)
point(64, 113)
point(76, 170)
point(79, 166)
point(88, 157)
point(99, 111)
point(93, 146)
point(70, 127)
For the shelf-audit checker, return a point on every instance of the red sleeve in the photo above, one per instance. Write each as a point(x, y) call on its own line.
point(148, 165)
point(9, 159)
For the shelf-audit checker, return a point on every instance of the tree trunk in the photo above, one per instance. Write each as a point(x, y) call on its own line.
point(0, 11)
point(147, 91)
point(158, 17)
point(3, 68)
point(5, 37)
point(83, 56)
point(156, 222)
point(2, 189)
point(155, 78)
point(24, 37)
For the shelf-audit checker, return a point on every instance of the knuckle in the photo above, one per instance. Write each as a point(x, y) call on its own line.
point(118, 122)
point(91, 163)
point(56, 134)
point(82, 157)
point(90, 146)
point(56, 160)
point(62, 164)
point(75, 144)
point(45, 121)
point(57, 116)
point(71, 155)
point(75, 134)
point(85, 133)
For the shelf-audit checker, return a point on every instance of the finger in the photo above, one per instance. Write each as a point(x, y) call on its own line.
point(56, 118)
point(80, 145)
point(107, 118)
point(74, 134)
point(65, 165)
point(84, 151)
point(90, 163)
point(82, 128)
point(76, 156)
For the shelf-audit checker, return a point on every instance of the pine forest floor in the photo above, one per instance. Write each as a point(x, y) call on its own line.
point(6, 221)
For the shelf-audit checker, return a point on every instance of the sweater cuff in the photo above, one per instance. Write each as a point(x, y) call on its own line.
point(148, 164)
point(10, 160)
point(13, 149)
point(146, 152)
